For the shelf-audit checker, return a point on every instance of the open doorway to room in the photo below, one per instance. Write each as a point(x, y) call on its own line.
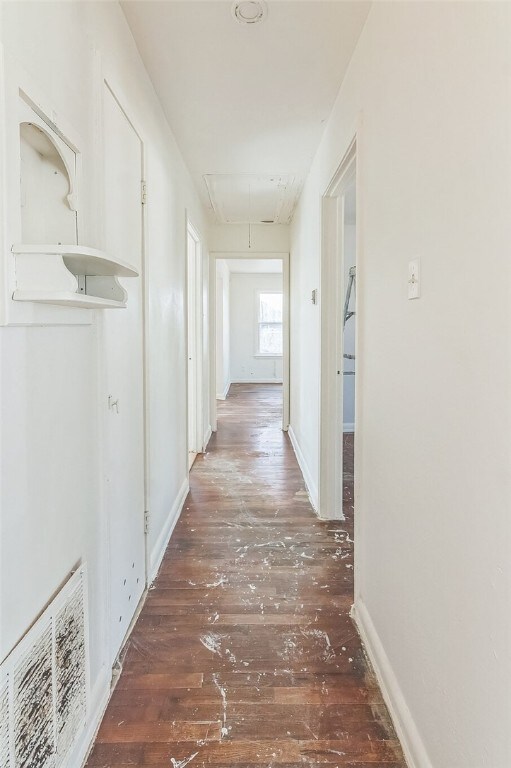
point(194, 342)
point(250, 335)
point(338, 343)
point(349, 318)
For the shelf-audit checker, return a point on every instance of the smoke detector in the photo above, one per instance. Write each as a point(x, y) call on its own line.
point(249, 11)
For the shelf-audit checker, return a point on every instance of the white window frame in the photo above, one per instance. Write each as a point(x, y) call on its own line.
point(257, 353)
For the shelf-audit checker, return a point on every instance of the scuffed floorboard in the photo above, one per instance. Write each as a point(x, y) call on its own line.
point(244, 654)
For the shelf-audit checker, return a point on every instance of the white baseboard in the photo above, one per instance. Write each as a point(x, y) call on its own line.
point(98, 700)
point(406, 729)
point(159, 548)
point(207, 437)
point(256, 381)
point(307, 476)
point(101, 691)
point(348, 427)
point(224, 394)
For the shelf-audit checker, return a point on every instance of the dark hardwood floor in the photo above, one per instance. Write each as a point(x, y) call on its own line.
point(244, 653)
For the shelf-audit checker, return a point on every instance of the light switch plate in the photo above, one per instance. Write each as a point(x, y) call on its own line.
point(414, 285)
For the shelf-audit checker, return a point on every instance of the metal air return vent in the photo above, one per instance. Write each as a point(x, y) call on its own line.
point(44, 685)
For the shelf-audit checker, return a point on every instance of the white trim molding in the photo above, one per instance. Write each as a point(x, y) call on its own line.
point(330, 479)
point(312, 488)
point(159, 548)
point(224, 394)
point(99, 698)
point(207, 438)
point(406, 729)
point(348, 427)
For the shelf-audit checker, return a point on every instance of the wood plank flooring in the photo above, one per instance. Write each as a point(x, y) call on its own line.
point(244, 653)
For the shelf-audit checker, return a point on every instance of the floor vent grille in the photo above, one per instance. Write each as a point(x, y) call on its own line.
point(44, 684)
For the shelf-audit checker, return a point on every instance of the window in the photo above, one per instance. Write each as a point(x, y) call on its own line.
point(269, 327)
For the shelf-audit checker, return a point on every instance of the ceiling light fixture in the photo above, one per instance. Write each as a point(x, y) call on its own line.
point(249, 11)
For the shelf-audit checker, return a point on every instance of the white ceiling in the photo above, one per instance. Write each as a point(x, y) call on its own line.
point(247, 99)
point(254, 266)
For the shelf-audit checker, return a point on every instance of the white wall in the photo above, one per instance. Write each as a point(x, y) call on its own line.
point(223, 329)
point(348, 402)
point(50, 497)
point(246, 365)
point(429, 84)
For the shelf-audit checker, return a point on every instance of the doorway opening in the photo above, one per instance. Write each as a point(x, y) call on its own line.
point(195, 437)
point(349, 323)
point(339, 345)
point(250, 329)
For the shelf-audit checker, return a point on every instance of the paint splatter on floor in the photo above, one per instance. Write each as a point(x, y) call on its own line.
point(245, 654)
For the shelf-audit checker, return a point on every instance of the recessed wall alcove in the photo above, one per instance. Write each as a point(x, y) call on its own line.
point(51, 265)
point(47, 211)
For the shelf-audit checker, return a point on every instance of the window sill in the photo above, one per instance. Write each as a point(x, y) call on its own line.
point(268, 354)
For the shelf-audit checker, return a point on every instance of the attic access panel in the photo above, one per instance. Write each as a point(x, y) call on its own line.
point(252, 198)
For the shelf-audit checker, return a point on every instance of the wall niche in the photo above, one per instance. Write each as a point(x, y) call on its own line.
point(51, 275)
point(46, 179)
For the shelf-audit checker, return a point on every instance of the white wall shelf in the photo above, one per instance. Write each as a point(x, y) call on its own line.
point(69, 275)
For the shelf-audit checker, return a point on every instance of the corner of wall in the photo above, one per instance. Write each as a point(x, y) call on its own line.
point(312, 488)
point(223, 395)
point(402, 719)
point(160, 546)
point(98, 700)
point(207, 437)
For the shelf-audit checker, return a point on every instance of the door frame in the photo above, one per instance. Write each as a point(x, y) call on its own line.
point(284, 257)
point(331, 347)
point(194, 285)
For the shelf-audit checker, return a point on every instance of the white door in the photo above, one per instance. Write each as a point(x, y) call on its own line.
point(122, 374)
point(194, 345)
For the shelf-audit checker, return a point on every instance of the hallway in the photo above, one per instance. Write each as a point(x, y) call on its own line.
point(244, 653)
point(188, 190)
